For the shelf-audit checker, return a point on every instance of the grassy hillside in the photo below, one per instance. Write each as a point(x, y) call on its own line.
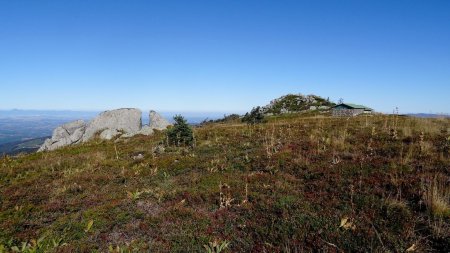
point(294, 184)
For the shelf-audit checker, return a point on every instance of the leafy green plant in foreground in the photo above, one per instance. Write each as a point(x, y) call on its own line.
point(216, 246)
point(40, 245)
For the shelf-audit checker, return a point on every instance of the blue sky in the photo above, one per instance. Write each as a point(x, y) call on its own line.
point(225, 56)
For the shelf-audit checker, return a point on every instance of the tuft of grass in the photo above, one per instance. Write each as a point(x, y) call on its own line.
point(216, 246)
point(436, 196)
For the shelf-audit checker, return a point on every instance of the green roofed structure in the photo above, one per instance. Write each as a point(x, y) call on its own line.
point(349, 110)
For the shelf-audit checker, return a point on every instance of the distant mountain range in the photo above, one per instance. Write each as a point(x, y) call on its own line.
point(16, 113)
point(428, 115)
point(192, 117)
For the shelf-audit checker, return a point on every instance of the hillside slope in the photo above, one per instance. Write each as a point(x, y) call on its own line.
point(297, 103)
point(294, 184)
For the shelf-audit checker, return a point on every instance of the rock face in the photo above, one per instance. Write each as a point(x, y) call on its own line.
point(67, 134)
point(108, 134)
point(146, 130)
point(110, 124)
point(157, 121)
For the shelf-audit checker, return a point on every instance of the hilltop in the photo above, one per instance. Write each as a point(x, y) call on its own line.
point(292, 103)
point(297, 183)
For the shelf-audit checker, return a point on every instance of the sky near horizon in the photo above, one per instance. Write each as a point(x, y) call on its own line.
point(223, 56)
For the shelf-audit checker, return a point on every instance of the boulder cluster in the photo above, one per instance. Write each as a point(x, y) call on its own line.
point(125, 122)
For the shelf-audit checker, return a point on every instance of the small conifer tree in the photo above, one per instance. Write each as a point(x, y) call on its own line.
point(181, 133)
point(255, 116)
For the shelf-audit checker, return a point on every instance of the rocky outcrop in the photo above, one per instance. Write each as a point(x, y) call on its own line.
point(108, 134)
point(113, 123)
point(108, 125)
point(157, 121)
point(293, 103)
point(67, 134)
point(146, 130)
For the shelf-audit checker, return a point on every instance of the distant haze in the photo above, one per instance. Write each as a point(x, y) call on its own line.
point(22, 125)
point(192, 117)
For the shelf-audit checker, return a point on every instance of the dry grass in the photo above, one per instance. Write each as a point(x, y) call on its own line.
point(436, 195)
point(283, 185)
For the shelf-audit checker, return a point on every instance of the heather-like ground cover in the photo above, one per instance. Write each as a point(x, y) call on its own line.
point(294, 184)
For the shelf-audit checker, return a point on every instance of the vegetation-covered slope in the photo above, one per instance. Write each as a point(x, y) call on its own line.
point(297, 103)
point(292, 184)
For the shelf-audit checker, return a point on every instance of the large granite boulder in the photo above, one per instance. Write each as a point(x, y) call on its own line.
point(108, 125)
point(157, 121)
point(67, 134)
point(121, 121)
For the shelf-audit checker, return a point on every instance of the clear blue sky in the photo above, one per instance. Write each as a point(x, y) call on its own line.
point(223, 55)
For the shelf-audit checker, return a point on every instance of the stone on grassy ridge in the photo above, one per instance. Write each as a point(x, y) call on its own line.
point(146, 130)
point(157, 121)
point(67, 134)
point(108, 134)
point(125, 123)
point(128, 121)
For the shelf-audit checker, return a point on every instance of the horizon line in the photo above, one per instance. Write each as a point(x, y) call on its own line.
point(101, 110)
point(182, 111)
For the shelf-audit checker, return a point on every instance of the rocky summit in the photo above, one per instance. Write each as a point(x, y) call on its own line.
point(292, 103)
point(125, 122)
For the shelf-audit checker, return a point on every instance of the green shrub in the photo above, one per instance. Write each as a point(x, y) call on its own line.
point(255, 116)
point(181, 133)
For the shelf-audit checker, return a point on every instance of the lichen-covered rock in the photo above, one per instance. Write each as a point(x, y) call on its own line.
point(127, 121)
point(157, 121)
point(108, 134)
point(67, 134)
